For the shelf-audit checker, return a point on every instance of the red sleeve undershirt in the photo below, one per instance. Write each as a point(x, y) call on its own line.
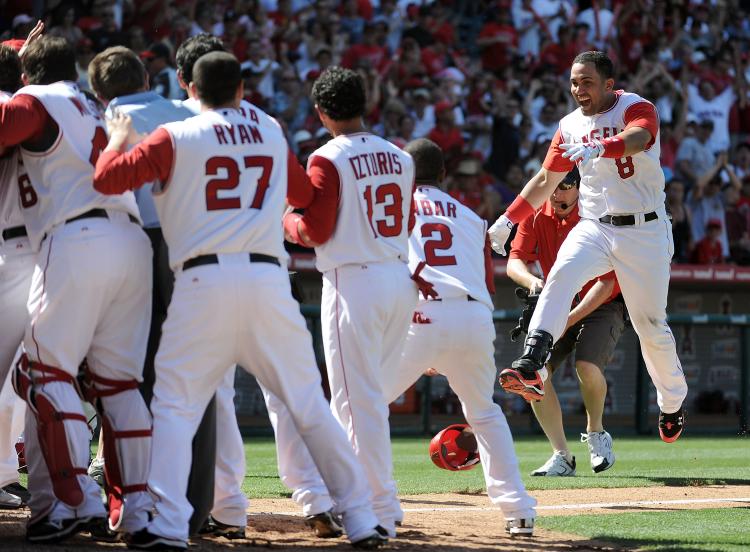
point(21, 119)
point(554, 161)
point(489, 267)
point(319, 219)
point(412, 210)
point(642, 115)
point(300, 191)
point(150, 160)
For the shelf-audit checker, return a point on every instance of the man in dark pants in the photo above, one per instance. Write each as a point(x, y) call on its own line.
point(119, 79)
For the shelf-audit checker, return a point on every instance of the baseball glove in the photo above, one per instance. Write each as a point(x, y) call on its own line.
point(529, 304)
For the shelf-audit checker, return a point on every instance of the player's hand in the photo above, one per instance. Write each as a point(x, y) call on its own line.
point(582, 153)
point(501, 235)
point(536, 286)
point(120, 128)
point(34, 35)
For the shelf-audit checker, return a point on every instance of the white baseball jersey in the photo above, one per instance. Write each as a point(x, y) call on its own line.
point(450, 238)
point(377, 181)
point(633, 184)
point(227, 188)
point(194, 105)
point(62, 176)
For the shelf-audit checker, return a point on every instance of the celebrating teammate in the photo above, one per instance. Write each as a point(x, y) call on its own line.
point(222, 188)
point(359, 223)
point(613, 137)
point(90, 299)
point(593, 328)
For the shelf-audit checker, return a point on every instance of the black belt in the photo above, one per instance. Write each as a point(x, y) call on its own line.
point(14, 232)
point(468, 298)
point(98, 213)
point(627, 220)
point(201, 260)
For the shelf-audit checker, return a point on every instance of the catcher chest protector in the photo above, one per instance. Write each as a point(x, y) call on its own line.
point(447, 454)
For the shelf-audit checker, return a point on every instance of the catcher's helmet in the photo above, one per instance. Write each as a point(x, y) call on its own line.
point(453, 450)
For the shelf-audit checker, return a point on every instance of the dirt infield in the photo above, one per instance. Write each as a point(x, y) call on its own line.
point(441, 522)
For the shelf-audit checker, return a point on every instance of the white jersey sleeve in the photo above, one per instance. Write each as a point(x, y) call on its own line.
point(450, 238)
point(630, 185)
point(228, 186)
point(10, 202)
point(376, 184)
point(60, 178)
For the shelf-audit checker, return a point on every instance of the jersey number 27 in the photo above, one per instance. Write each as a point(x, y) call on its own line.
point(231, 179)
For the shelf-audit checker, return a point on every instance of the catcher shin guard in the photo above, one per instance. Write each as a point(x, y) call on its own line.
point(455, 448)
point(55, 442)
point(126, 450)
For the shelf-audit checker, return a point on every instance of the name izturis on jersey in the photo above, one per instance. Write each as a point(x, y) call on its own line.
point(375, 164)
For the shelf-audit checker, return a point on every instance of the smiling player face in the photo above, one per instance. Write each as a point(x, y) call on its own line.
point(591, 91)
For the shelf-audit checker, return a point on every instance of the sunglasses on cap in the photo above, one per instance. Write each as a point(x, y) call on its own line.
point(566, 185)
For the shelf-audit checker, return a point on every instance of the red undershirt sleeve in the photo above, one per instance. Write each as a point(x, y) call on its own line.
point(489, 267)
point(554, 161)
point(22, 118)
point(319, 220)
point(412, 211)
point(150, 160)
point(300, 191)
point(643, 115)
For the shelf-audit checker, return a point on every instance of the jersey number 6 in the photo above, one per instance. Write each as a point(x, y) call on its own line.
point(231, 180)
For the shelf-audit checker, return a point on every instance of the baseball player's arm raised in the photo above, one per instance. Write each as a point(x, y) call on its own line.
point(595, 297)
point(151, 160)
point(316, 226)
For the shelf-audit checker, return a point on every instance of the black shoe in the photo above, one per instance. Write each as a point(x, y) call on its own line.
point(143, 540)
point(671, 425)
point(377, 539)
point(325, 525)
point(99, 530)
point(18, 490)
point(535, 352)
point(214, 528)
point(47, 531)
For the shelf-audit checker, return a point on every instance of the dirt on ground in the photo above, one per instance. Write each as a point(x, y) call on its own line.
point(439, 522)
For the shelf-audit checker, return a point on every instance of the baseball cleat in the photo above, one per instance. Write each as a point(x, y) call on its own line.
point(49, 532)
point(96, 471)
point(325, 525)
point(520, 527)
point(600, 449)
point(375, 540)
point(10, 501)
point(214, 528)
point(143, 540)
point(529, 385)
point(557, 466)
point(18, 490)
point(671, 425)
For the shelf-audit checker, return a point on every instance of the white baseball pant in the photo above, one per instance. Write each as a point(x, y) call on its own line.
point(640, 256)
point(241, 312)
point(91, 298)
point(365, 315)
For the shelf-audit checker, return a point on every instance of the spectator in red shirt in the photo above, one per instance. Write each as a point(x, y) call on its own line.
point(497, 40)
point(446, 134)
point(368, 49)
point(708, 250)
point(594, 326)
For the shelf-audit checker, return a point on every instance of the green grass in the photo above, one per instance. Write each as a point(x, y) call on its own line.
point(641, 461)
point(718, 529)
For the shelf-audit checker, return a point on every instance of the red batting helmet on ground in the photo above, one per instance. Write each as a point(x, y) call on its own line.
point(455, 448)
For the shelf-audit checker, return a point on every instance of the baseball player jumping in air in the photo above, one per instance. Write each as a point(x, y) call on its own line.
point(595, 323)
point(16, 269)
point(359, 224)
point(220, 199)
point(90, 299)
point(613, 137)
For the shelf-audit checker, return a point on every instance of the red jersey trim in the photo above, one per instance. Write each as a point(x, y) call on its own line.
point(618, 93)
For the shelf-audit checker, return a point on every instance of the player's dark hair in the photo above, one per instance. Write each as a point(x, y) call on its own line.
point(428, 160)
point(600, 61)
point(115, 72)
point(10, 69)
point(50, 59)
point(192, 50)
point(216, 76)
point(340, 94)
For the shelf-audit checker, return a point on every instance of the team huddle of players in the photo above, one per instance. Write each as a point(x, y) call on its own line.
point(405, 290)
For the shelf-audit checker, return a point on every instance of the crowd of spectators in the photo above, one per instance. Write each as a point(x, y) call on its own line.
point(485, 79)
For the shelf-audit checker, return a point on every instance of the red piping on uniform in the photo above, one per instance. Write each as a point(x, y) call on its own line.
point(44, 284)
point(341, 354)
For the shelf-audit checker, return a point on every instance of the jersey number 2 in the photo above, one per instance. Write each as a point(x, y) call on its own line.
point(443, 242)
point(231, 180)
point(390, 196)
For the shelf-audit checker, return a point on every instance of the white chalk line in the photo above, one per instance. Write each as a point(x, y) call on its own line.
point(584, 506)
